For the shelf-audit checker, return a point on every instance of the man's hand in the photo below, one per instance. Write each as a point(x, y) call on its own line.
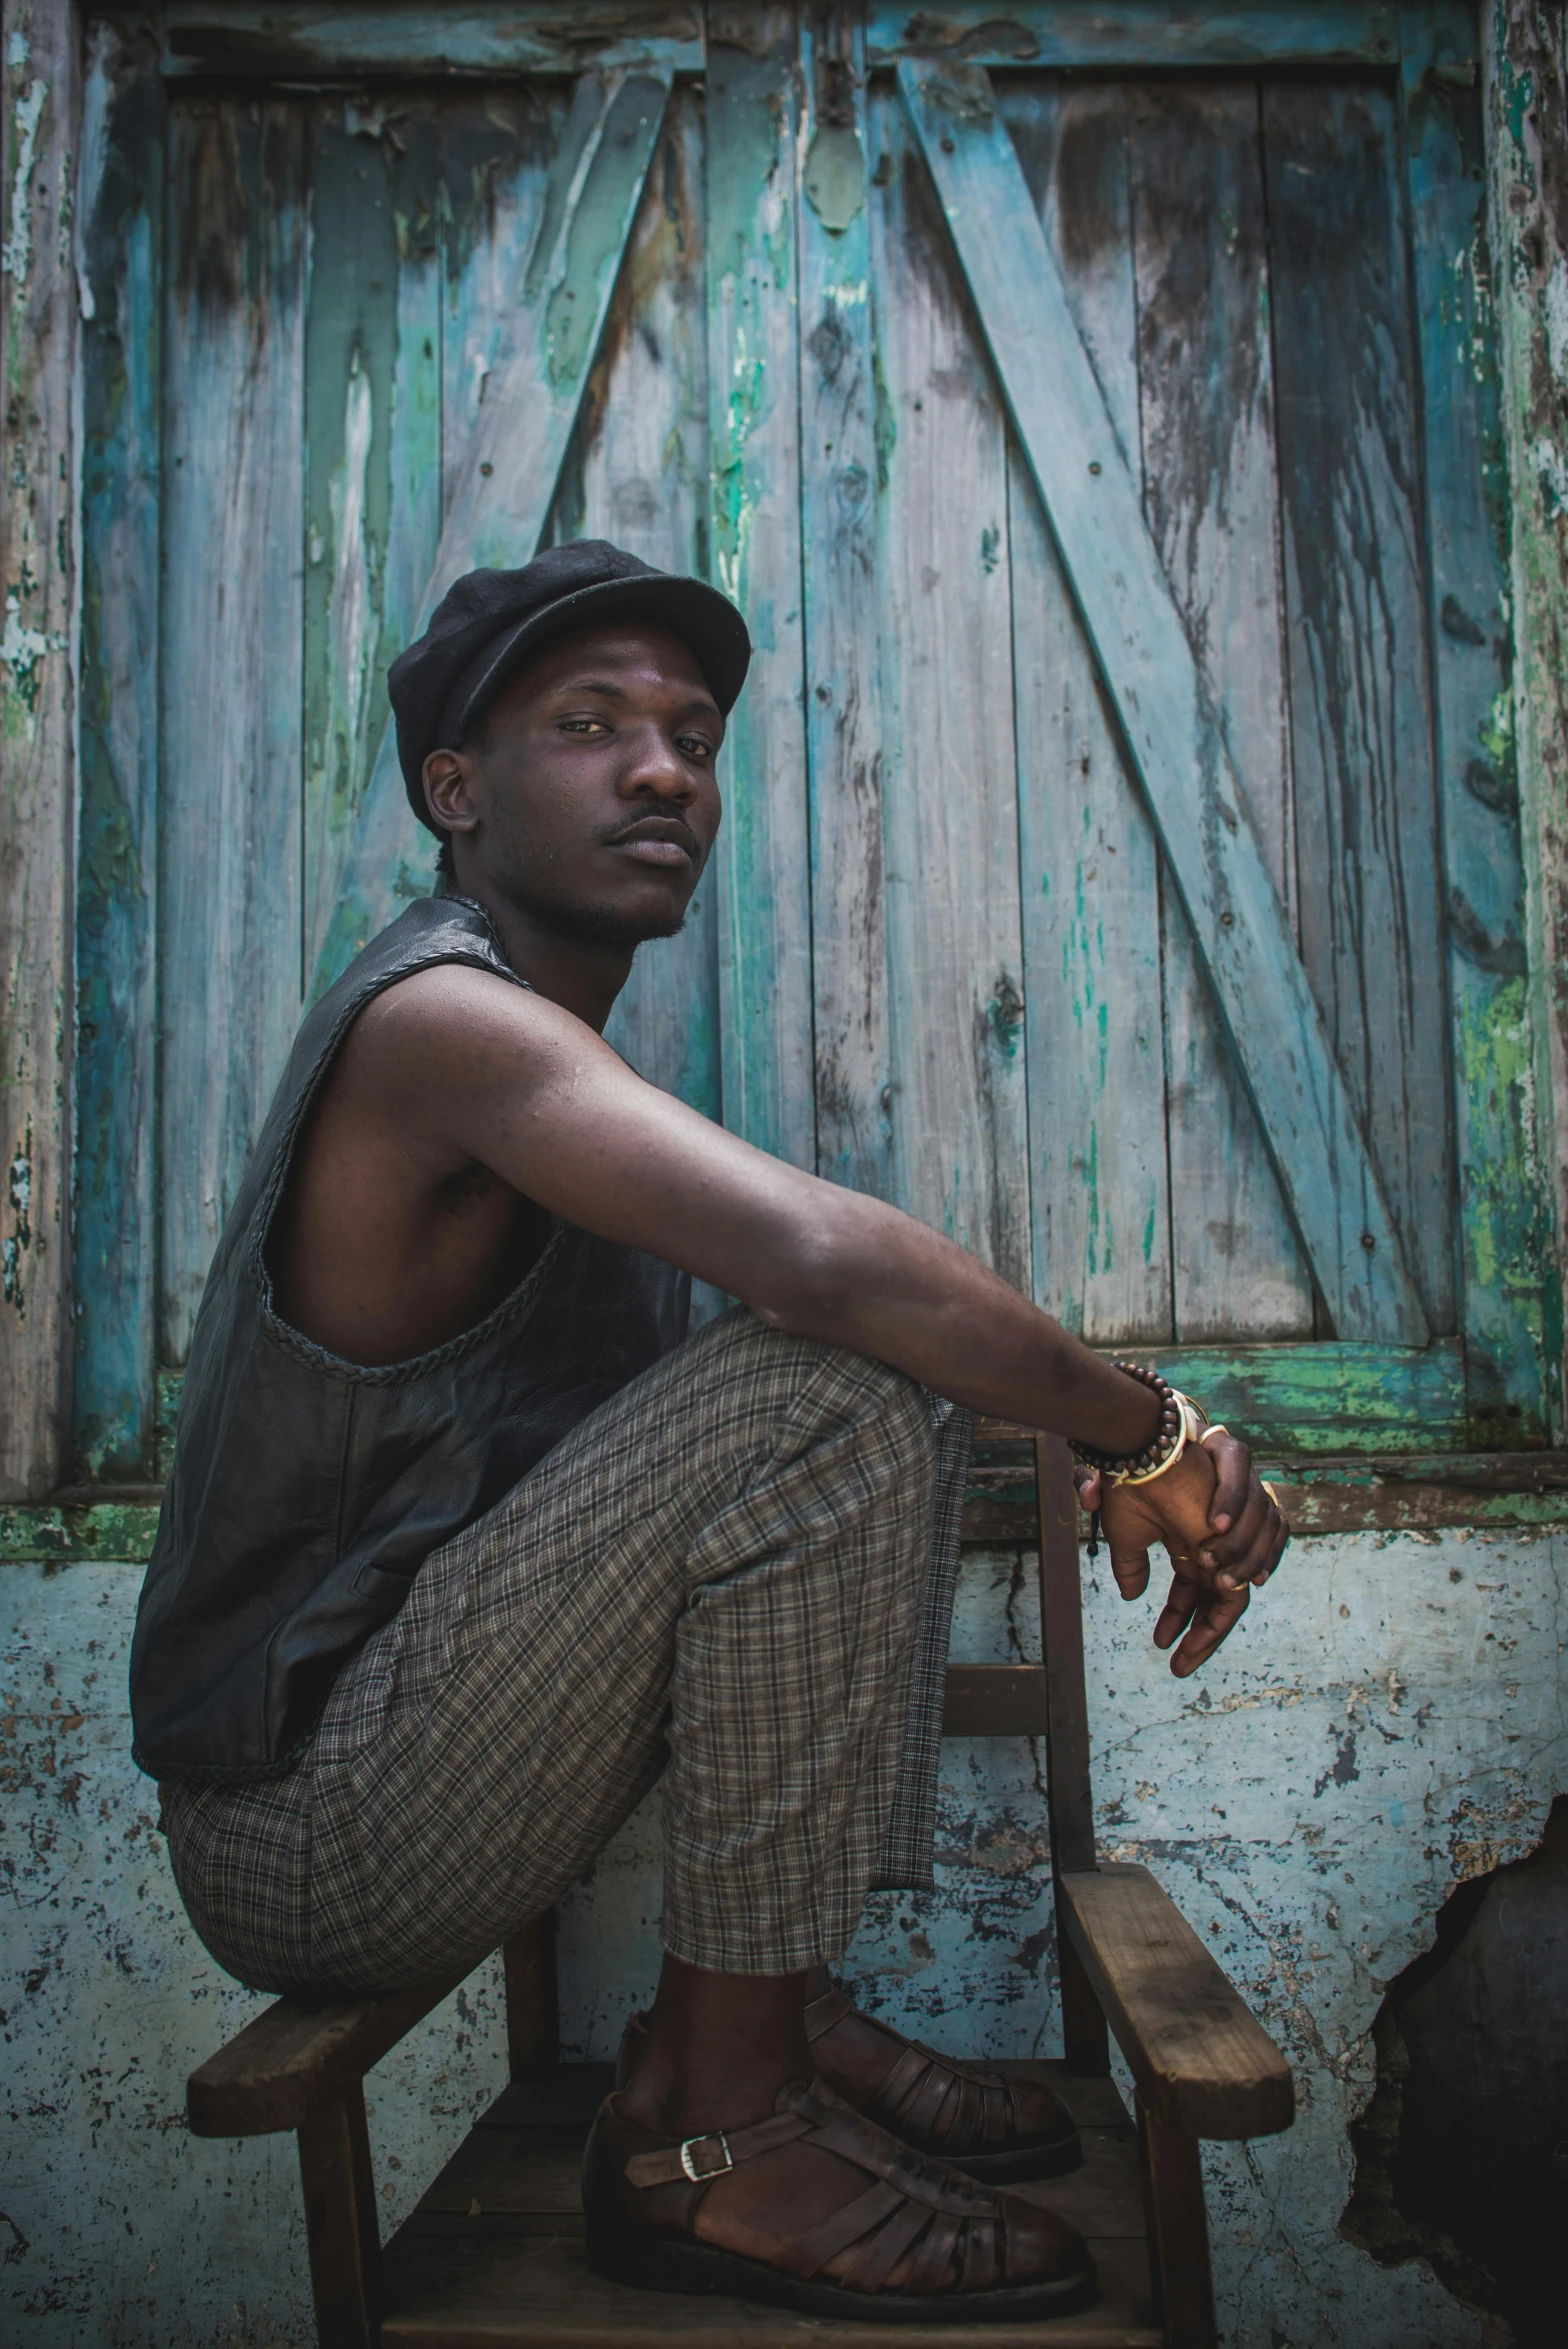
point(1222, 1533)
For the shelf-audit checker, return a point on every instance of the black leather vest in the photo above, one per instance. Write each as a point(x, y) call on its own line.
point(306, 1491)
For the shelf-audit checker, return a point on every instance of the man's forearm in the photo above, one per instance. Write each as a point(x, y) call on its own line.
point(875, 1281)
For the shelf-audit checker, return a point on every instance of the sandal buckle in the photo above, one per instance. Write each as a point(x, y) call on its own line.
point(714, 2137)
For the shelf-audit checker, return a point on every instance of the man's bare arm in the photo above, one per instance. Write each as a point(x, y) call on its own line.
point(463, 1067)
point(465, 1063)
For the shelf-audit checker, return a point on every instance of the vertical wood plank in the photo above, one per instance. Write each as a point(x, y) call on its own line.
point(230, 849)
point(762, 863)
point(1359, 678)
point(1069, 1794)
point(115, 1234)
point(1211, 496)
point(638, 475)
point(526, 403)
point(533, 2004)
point(1163, 701)
point(497, 152)
point(1504, 1226)
point(1178, 2233)
point(373, 450)
point(341, 2226)
point(843, 686)
point(1099, 1198)
point(955, 949)
point(38, 344)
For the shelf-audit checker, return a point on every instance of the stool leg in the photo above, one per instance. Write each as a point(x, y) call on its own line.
point(1178, 2233)
point(533, 2014)
point(341, 2227)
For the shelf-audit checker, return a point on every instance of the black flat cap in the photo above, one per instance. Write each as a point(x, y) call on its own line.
point(489, 621)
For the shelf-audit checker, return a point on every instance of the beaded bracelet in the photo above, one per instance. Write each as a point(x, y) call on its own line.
point(1181, 1422)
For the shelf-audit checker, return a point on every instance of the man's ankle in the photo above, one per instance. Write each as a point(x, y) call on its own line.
point(693, 2103)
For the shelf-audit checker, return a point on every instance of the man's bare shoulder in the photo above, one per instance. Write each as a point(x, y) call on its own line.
point(451, 1013)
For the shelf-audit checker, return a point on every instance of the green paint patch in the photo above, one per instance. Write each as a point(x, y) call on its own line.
point(69, 1533)
point(1328, 1397)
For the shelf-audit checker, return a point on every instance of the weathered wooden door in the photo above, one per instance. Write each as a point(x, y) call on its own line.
point(1092, 413)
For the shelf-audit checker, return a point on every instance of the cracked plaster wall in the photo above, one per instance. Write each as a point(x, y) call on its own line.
point(1388, 1721)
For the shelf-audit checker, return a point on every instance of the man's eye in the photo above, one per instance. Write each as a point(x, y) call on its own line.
point(694, 746)
point(584, 725)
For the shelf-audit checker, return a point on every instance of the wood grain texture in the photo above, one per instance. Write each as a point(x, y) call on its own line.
point(409, 39)
point(42, 102)
point(1178, 2233)
point(373, 450)
point(229, 887)
point(497, 501)
point(1069, 1790)
point(1098, 1164)
point(1504, 1223)
point(294, 2059)
point(503, 158)
point(115, 1223)
point(637, 473)
point(341, 2225)
point(1211, 497)
point(1524, 74)
point(533, 2004)
point(955, 950)
point(839, 558)
point(1118, 34)
point(1371, 933)
point(762, 864)
point(1323, 1492)
point(1201, 2062)
point(506, 2283)
point(1330, 1396)
point(1164, 705)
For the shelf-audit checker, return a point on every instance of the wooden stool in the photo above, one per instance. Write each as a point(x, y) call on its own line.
point(492, 2256)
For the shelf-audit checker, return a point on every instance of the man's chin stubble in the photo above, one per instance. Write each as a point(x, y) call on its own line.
point(605, 928)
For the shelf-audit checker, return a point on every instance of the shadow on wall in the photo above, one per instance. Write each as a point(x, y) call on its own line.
point(1462, 2153)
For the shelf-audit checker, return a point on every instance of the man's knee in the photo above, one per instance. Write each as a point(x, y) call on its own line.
point(790, 1370)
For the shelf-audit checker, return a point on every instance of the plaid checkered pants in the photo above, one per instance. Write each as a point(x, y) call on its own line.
point(737, 1575)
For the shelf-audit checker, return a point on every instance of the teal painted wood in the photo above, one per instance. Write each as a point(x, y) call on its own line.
point(1165, 707)
point(1360, 684)
point(1211, 498)
point(502, 156)
point(114, 1239)
point(1117, 34)
point(1098, 1165)
point(955, 951)
point(229, 888)
point(1328, 1398)
point(411, 39)
point(501, 496)
point(844, 743)
point(373, 450)
point(762, 864)
point(1507, 1257)
point(638, 474)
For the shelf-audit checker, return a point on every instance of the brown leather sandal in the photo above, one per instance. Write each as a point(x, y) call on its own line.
point(978, 2121)
point(957, 2251)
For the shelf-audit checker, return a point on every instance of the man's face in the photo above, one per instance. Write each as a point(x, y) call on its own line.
point(591, 801)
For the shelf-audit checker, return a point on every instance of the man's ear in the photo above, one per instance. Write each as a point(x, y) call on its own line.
point(447, 775)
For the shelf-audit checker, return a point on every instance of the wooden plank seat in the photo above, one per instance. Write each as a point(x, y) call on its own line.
point(492, 2255)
